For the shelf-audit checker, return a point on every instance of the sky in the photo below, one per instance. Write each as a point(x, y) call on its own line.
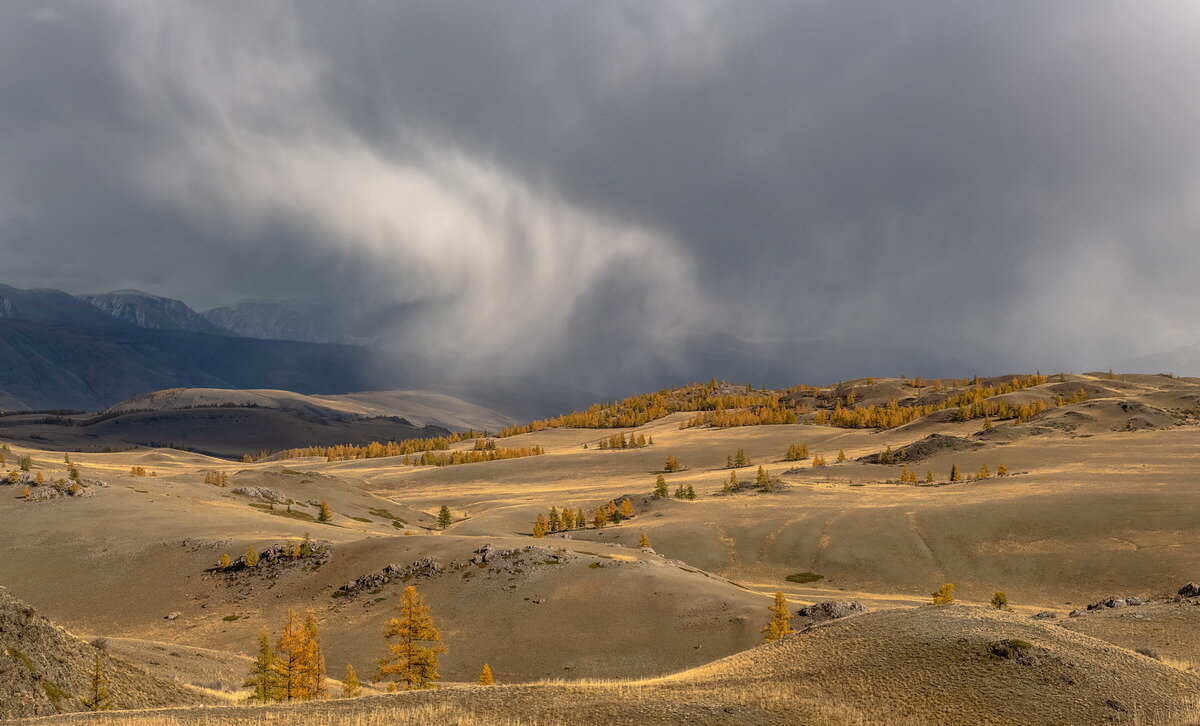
point(574, 183)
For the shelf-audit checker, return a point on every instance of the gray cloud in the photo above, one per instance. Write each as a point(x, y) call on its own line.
point(575, 181)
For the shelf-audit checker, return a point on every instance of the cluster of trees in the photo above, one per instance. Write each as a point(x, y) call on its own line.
point(762, 480)
point(760, 415)
point(1021, 413)
point(796, 452)
point(570, 518)
point(216, 478)
point(293, 667)
point(620, 441)
point(141, 471)
point(452, 458)
point(984, 472)
point(639, 410)
point(377, 450)
point(972, 403)
point(738, 460)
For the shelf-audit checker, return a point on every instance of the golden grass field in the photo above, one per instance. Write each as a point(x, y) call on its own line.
point(1101, 501)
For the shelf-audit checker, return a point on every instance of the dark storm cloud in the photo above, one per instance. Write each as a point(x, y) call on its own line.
point(571, 180)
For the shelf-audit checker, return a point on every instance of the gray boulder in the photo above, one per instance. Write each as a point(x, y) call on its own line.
point(831, 610)
point(1191, 589)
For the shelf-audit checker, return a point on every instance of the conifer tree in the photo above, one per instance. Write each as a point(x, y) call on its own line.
point(292, 660)
point(984, 472)
point(325, 514)
point(733, 484)
point(671, 465)
point(999, 601)
point(251, 558)
point(412, 658)
point(264, 679)
point(944, 594)
point(644, 540)
point(841, 455)
point(485, 676)
point(740, 459)
point(818, 461)
point(554, 523)
point(568, 518)
point(627, 508)
point(314, 665)
point(97, 699)
point(600, 518)
point(444, 517)
point(729, 461)
point(679, 492)
point(781, 620)
point(1001, 470)
point(351, 686)
point(660, 487)
point(689, 492)
point(762, 479)
point(954, 475)
point(40, 479)
point(539, 526)
point(929, 476)
point(224, 562)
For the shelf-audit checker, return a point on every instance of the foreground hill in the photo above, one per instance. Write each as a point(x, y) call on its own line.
point(44, 670)
point(946, 665)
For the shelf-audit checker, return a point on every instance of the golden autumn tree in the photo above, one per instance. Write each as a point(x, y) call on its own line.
point(944, 594)
point(600, 518)
point(644, 540)
point(299, 663)
point(315, 658)
point(485, 676)
point(627, 508)
point(325, 514)
point(781, 619)
point(671, 465)
point(351, 686)
point(415, 644)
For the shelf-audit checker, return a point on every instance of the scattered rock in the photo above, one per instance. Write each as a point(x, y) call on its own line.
point(1045, 615)
point(266, 494)
point(1076, 613)
point(424, 567)
point(1190, 590)
point(312, 552)
point(1149, 653)
point(831, 610)
point(1114, 603)
point(171, 616)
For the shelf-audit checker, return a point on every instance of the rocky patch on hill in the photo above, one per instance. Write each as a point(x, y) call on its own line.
point(44, 670)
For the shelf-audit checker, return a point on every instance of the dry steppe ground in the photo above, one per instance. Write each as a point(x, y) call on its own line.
point(1100, 501)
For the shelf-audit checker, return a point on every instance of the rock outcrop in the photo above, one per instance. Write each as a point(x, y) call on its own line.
point(831, 610)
